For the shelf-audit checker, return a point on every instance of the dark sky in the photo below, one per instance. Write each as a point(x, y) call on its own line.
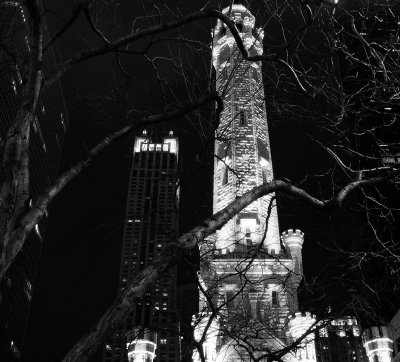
point(79, 268)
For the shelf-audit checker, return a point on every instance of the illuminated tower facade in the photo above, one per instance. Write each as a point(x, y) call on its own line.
point(249, 278)
point(150, 333)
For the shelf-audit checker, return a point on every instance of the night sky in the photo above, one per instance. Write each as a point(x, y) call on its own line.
point(78, 274)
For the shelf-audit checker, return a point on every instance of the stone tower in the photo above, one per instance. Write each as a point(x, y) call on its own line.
point(250, 281)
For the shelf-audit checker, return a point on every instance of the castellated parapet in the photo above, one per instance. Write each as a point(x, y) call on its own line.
point(293, 238)
point(299, 324)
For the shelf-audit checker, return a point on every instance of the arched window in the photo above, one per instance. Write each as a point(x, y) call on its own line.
point(275, 302)
point(225, 175)
point(264, 169)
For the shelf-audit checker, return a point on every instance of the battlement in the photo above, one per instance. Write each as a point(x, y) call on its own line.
point(299, 316)
point(291, 232)
point(144, 143)
point(293, 238)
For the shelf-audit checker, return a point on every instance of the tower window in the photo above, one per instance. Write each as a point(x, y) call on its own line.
point(225, 175)
point(264, 176)
point(275, 298)
point(242, 118)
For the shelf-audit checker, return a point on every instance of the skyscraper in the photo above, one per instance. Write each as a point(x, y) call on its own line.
point(47, 136)
point(151, 222)
point(250, 278)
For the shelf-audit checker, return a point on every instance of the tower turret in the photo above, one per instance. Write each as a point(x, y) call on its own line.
point(299, 324)
point(293, 241)
point(378, 344)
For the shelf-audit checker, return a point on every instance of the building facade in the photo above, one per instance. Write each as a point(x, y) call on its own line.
point(152, 330)
point(47, 137)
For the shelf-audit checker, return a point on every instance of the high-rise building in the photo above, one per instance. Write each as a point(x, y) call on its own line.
point(47, 136)
point(252, 273)
point(152, 329)
point(340, 341)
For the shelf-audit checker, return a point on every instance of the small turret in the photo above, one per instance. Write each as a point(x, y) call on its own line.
point(300, 323)
point(293, 241)
point(378, 344)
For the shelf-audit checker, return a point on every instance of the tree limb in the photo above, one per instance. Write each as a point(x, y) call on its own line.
point(121, 308)
point(39, 208)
